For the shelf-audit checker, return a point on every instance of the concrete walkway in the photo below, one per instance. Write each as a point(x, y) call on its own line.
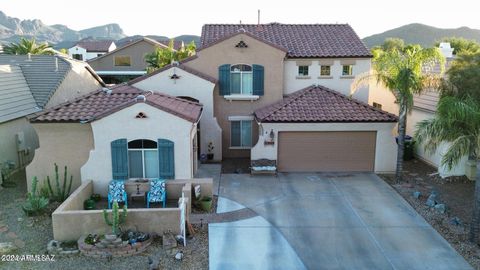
point(324, 221)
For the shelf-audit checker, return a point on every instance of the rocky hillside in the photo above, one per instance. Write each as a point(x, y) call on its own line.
point(422, 34)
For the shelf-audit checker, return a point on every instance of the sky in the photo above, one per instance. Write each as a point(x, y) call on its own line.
point(175, 18)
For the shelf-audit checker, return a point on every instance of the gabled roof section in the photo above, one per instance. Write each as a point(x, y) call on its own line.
point(301, 40)
point(95, 45)
point(43, 73)
point(180, 66)
point(241, 31)
point(319, 104)
point(16, 99)
point(148, 40)
point(104, 102)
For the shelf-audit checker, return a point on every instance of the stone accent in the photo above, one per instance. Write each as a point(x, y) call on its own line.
point(112, 248)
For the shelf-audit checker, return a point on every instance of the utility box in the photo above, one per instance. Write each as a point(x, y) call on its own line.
point(471, 169)
point(20, 140)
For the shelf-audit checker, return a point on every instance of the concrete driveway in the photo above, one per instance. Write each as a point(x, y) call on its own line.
point(323, 221)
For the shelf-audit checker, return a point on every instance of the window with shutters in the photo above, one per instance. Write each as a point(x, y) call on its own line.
point(143, 159)
point(241, 79)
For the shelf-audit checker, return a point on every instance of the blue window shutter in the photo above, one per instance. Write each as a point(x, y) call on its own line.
point(166, 159)
point(119, 159)
point(224, 79)
point(258, 79)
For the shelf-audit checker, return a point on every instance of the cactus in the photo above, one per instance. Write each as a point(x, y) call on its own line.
point(60, 194)
point(35, 204)
point(116, 219)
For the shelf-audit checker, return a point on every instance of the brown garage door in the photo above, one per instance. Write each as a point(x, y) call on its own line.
point(326, 151)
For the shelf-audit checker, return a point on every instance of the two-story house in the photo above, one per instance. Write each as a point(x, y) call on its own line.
point(85, 50)
point(281, 91)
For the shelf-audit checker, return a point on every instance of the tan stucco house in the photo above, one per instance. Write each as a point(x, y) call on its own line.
point(241, 70)
point(119, 133)
point(125, 62)
point(29, 84)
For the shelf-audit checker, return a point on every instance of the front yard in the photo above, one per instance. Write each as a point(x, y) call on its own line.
point(457, 195)
point(31, 235)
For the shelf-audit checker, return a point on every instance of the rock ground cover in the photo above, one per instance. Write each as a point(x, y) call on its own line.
point(30, 235)
point(455, 193)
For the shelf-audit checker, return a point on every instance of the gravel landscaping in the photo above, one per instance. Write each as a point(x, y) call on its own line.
point(457, 195)
point(31, 235)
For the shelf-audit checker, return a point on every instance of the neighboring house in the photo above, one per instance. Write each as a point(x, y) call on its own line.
point(241, 70)
point(119, 133)
point(85, 50)
point(424, 107)
point(29, 84)
point(126, 62)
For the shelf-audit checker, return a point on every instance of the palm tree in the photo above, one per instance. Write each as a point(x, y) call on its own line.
point(26, 46)
point(456, 121)
point(405, 72)
point(165, 56)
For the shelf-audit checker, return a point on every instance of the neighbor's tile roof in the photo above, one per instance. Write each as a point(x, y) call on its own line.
point(95, 45)
point(40, 73)
point(101, 103)
point(16, 100)
point(301, 40)
point(318, 104)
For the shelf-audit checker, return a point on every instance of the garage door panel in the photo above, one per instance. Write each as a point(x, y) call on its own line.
point(326, 151)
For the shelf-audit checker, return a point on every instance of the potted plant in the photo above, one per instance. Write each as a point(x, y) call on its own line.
point(96, 197)
point(89, 204)
point(205, 203)
point(210, 148)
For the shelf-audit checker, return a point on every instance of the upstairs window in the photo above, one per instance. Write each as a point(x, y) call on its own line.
point(324, 70)
point(122, 61)
point(77, 56)
point(302, 71)
point(347, 70)
point(241, 79)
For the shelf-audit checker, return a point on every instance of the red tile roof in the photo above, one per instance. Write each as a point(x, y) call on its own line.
point(180, 66)
point(301, 40)
point(318, 104)
point(101, 103)
point(95, 45)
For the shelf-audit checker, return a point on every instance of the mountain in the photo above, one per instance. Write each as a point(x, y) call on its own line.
point(60, 36)
point(422, 34)
point(12, 29)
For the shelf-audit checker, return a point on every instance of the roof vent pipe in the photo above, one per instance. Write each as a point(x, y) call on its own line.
point(141, 98)
point(29, 57)
point(56, 64)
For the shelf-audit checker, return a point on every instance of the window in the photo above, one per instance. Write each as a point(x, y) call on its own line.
point(377, 105)
point(324, 70)
point(77, 56)
point(99, 54)
point(347, 70)
point(241, 133)
point(302, 70)
point(122, 61)
point(143, 159)
point(241, 79)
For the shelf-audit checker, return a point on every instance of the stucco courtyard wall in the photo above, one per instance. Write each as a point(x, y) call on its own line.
point(385, 150)
point(67, 144)
point(189, 85)
point(123, 124)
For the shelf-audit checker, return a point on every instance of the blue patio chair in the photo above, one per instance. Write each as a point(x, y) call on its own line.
point(116, 192)
point(157, 193)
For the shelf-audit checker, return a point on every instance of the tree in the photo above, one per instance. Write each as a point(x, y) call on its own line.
point(403, 72)
point(165, 56)
point(461, 45)
point(26, 46)
point(456, 121)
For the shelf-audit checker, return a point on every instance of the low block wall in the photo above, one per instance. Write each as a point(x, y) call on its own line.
point(70, 222)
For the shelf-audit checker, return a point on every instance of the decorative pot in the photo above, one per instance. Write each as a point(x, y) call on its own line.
point(205, 203)
point(110, 237)
point(210, 156)
point(89, 204)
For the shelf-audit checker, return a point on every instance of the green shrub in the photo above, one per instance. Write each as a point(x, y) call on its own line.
point(35, 204)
